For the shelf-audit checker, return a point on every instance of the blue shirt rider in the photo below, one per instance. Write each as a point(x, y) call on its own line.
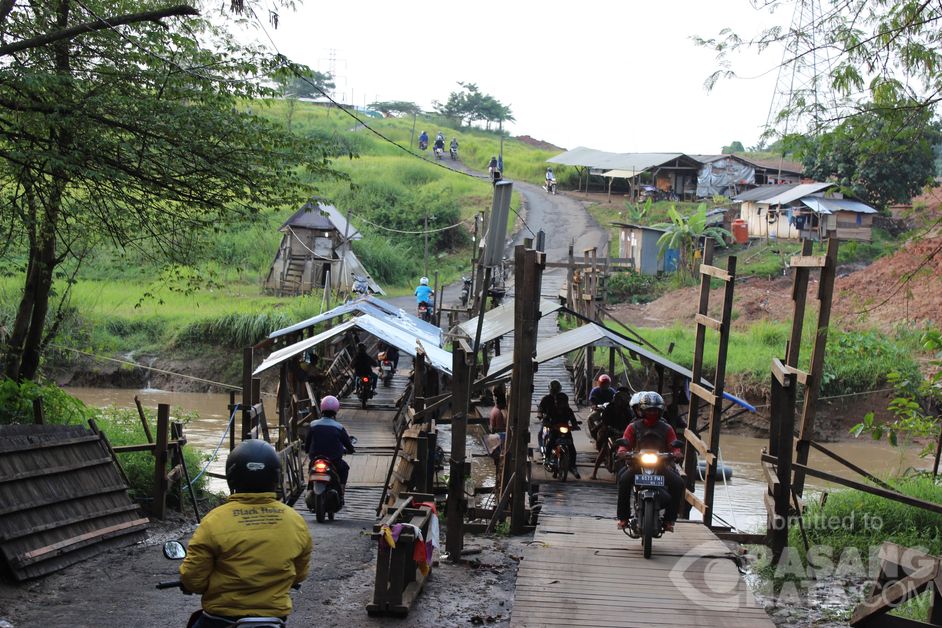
point(423, 293)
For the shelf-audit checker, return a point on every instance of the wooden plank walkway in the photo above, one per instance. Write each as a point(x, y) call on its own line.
point(582, 571)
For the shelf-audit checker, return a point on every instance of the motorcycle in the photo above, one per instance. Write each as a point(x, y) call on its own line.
point(174, 550)
point(361, 286)
point(465, 291)
point(650, 496)
point(425, 311)
point(364, 389)
point(423, 144)
point(439, 152)
point(562, 457)
point(595, 420)
point(454, 153)
point(386, 369)
point(550, 187)
point(323, 496)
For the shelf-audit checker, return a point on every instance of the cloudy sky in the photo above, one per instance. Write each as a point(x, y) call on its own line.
point(620, 75)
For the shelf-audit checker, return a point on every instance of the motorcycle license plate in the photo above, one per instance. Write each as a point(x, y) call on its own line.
point(320, 477)
point(649, 480)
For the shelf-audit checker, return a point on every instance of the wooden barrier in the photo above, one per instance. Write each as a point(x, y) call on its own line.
point(398, 577)
point(904, 574)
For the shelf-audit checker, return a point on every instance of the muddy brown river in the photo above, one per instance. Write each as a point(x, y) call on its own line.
point(738, 501)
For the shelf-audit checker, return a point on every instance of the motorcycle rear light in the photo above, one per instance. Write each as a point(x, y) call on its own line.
point(366, 379)
point(320, 467)
point(564, 430)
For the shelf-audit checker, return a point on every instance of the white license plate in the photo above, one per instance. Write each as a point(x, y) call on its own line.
point(320, 477)
point(649, 480)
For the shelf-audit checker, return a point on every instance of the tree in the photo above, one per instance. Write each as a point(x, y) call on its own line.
point(877, 156)
point(471, 105)
point(305, 83)
point(734, 147)
point(134, 137)
point(684, 233)
point(885, 56)
point(396, 108)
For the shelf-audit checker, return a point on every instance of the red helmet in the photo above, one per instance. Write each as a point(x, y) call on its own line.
point(604, 379)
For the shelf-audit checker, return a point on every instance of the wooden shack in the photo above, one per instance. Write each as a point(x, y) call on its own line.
point(804, 211)
point(639, 244)
point(314, 250)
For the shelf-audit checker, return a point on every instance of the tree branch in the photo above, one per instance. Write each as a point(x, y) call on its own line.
point(97, 25)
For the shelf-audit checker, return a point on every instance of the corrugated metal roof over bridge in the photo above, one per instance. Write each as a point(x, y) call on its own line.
point(500, 321)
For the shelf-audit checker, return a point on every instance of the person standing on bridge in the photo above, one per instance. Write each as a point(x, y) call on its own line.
point(651, 431)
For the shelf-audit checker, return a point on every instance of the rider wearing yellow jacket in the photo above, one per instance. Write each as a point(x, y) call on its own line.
point(246, 554)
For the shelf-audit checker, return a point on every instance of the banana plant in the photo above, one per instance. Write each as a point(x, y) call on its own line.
point(684, 233)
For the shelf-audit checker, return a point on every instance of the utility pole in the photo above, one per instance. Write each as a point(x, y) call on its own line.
point(425, 234)
point(412, 139)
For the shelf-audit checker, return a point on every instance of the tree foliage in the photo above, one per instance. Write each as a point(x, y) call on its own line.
point(395, 108)
point(134, 137)
point(684, 234)
point(734, 147)
point(880, 156)
point(885, 55)
point(471, 105)
point(305, 83)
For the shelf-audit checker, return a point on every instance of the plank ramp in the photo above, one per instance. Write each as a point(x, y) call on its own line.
point(581, 571)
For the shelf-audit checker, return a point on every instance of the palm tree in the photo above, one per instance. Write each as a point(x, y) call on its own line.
point(684, 233)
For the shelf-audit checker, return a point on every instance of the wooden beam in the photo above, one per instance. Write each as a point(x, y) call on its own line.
point(703, 319)
point(699, 445)
point(850, 465)
point(58, 547)
point(713, 271)
point(780, 373)
point(696, 502)
point(808, 261)
point(703, 393)
point(159, 505)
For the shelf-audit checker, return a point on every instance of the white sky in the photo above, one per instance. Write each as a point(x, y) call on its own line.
point(617, 75)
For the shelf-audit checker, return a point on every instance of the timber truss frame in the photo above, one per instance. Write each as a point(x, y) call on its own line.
point(698, 392)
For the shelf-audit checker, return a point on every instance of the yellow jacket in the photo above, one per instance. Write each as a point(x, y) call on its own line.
point(245, 555)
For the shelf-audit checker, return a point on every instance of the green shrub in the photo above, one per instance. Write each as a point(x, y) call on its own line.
point(59, 407)
point(234, 330)
point(632, 286)
point(858, 361)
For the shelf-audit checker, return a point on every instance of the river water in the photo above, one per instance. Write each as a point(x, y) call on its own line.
point(738, 502)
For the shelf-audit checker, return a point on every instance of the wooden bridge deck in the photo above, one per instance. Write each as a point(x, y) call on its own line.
point(581, 570)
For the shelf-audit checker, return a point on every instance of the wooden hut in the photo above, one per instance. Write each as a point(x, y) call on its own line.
point(315, 249)
point(639, 244)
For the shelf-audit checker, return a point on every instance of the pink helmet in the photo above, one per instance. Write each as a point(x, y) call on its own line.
point(604, 379)
point(330, 404)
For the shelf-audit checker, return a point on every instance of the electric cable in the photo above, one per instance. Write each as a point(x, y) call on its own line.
point(235, 408)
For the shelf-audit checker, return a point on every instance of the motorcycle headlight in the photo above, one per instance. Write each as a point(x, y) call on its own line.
point(564, 430)
point(649, 459)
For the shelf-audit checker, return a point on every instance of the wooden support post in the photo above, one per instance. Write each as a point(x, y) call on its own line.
point(589, 372)
point(159, 507)
point(232, 427)
point(457, 504)
point(528, 270)
point(143, 417)
point(783, 407)
point(816, 369)
point(611, 366)
point(247, 360)
point(284, 396)
point(39, 417)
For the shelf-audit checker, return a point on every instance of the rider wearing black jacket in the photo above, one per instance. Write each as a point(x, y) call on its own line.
point(363, 365)
point(553, 410)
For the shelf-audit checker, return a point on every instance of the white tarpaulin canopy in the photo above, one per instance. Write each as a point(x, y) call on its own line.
point(500, 321)
point(597, 336)
point(428, 333)
point(399, 338)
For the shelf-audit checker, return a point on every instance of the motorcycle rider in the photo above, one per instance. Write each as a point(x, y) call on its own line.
point(423, 140)
point(650, 431)
point(553, 410)
point(247, 553)
point(392, 354)
point(493, 169)
point(327, 438)
point(454, 144)
point(363, 365)
point(612, 423)
point(440, 142)
point(550, 178)
point(601, 394)
point(423, 293)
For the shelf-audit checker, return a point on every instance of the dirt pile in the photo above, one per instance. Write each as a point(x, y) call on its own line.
point(905, 286)
point(532, 141)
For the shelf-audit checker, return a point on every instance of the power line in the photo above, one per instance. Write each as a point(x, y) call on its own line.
point(440, 229)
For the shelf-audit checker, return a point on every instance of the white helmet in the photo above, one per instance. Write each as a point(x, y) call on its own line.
point(635, 399)
point(424, 281)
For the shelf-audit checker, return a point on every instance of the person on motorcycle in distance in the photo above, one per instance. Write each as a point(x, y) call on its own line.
point(327, 438)
point(553, 410)
point(363, 365)
point(599, 395)
point(423, 140)
point(651, 432)
point(392, 354)
point(454, 144)
point(440, 142)
point(247, 553)
point(611, 424)
point(423, 293)
point(550, 177)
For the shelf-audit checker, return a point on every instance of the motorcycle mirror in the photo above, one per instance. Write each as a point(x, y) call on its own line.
point(174, 550)
point(353, 439)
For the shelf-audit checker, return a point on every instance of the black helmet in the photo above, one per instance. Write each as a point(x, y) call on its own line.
point(252, 467)
point(651, 400)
